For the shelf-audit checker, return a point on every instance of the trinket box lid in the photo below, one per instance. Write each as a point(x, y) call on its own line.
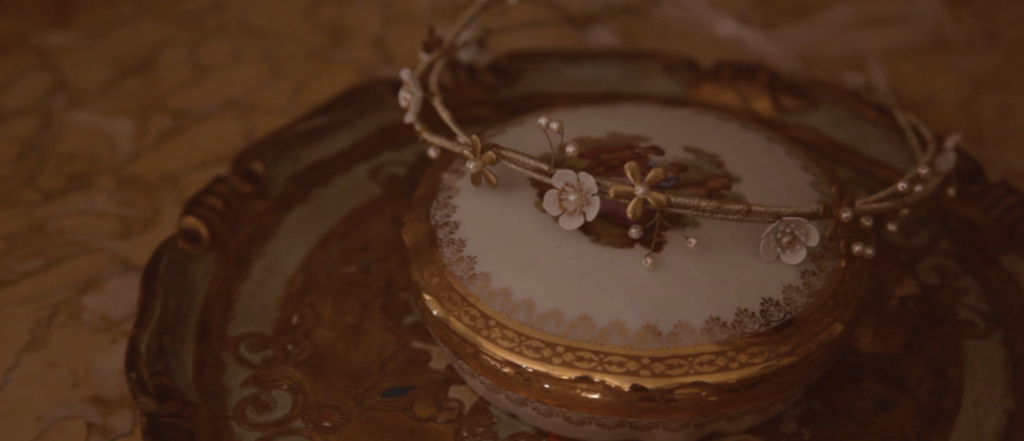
point(564, 301)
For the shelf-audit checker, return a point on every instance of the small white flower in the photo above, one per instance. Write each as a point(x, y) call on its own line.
point(410, 97)
point(574, 198)
point(789, 238)
point(945, 161)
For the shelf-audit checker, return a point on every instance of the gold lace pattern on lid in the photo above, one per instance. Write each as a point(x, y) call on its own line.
point(436, 268)
point(478, 287)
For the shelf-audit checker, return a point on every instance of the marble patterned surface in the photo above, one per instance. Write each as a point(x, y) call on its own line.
point(113, 112)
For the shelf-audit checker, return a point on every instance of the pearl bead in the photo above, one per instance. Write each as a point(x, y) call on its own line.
point(692, 242)
point(903, 187)
point(867, 221)
point(649, 260)
point(951, 191)
point(474, 165)
point(919, 188)
point(572, 198)
point(642, 191)
point(846, 214)
point(556, 126)
point(543, 121)
point(857, 249)
point(636, 232)
point(869, 252)
point(571, 149)
point(787, 240)
point(892, 226)
point(904, 212)
point(433, 152)
point(923, 171)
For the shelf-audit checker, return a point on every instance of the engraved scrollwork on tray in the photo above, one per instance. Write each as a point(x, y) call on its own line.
point(261, 351)
point(278, 397)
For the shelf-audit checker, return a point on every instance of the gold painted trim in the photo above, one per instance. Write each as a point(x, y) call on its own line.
point(818, 327)
point(590, 394)
point(699, 367)
point(611, 423)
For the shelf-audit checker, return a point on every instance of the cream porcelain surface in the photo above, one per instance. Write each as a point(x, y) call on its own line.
point(568, 276)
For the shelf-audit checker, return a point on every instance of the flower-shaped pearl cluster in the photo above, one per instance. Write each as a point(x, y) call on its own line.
point(789, 239)
point(574, 199)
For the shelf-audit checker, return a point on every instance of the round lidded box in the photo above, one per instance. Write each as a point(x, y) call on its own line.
point(605, 334)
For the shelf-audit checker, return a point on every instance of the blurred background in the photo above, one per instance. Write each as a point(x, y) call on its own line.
point(113, 112)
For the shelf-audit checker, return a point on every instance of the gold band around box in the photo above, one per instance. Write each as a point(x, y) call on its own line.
point(576, 196)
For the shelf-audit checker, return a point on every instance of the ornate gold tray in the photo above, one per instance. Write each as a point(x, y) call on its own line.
point(282, 308)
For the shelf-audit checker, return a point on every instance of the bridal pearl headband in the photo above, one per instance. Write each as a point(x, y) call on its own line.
point(576, 196)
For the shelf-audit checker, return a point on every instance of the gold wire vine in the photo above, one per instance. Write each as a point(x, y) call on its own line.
point(922, 179)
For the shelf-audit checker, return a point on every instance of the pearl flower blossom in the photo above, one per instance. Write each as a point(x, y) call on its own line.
point(789, 239)
point(410, 97)
point(574, 198)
